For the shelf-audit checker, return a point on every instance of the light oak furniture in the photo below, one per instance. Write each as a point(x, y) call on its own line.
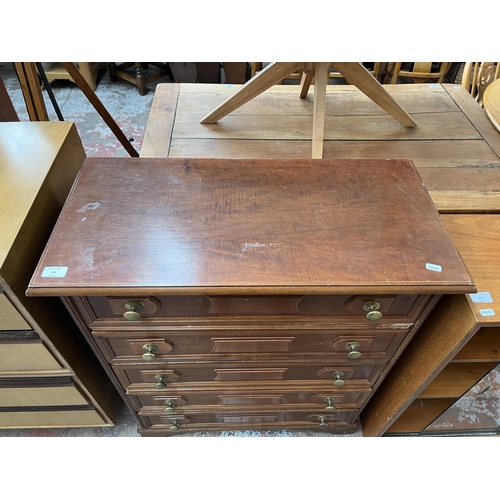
point(477, 76)
point(457, 345)
point(245, 294)
point(491, 103)
point(56, 71)
point(420, 72)
point(455, 147)
point(49, 377)
point(274, 73)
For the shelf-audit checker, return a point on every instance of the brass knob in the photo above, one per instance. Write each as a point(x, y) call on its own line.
point(352, 348)
point(322, 423)
point(338, 382)
point(149, 354)
point(170, 408)
point(329, 406)
point(160, 384)
point(131, 313)
point(373, 313)
point(174, 426)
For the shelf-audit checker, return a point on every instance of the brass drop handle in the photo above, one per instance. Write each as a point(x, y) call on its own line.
point(322, 423)
point(131, 313)
point(372, 311)
point(174, 426)
point(353, 347)
point(170, 408)
point(160, 384)
point(338, 382)
point(150, 350)
point(329, 406)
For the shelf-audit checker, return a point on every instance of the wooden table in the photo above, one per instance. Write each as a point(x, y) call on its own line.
point(454, 146)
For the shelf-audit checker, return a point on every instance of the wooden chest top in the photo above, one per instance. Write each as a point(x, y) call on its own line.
point(249, 226)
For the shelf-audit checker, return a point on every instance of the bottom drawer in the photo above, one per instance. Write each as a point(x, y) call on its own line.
point(50, 418)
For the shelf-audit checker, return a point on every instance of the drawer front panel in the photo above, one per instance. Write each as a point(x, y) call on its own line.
point(184, 399)
point(50, 419)
point(344, 375)
point(342, 344)
point(41, 396)
point(10, 319)
point(225, 306)
point(312, 420)
point(26, 355)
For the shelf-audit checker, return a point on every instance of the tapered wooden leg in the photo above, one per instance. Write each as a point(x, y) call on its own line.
point(99, 107)
point(320, 81)
point(306, 80)
point(356, 74)
point(271, 75)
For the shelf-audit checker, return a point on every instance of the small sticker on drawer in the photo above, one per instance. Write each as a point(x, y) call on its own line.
point(54, 272)
point(481, 297)
point(433, 267)
point(487, 312)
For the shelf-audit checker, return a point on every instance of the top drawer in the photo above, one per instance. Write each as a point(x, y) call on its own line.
point(140, 308)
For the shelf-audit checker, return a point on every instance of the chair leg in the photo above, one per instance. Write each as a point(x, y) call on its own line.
point(139, 78)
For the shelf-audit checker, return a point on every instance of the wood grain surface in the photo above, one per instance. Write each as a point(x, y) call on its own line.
point(248, 226)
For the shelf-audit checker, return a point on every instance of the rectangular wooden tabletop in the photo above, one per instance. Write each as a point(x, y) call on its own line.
point(454, 146)
point(249, 226)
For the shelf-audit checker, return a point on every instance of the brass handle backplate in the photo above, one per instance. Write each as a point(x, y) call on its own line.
point(372, 310)
point(132, 307)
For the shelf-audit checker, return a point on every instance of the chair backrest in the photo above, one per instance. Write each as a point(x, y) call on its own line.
point(491, 102)
point(477, 76)
point(421, 72)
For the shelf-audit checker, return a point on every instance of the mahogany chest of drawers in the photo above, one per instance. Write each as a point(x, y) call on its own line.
point(241, 294)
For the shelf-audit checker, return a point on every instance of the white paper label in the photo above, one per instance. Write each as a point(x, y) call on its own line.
point(433, 267)
point(487, 312)
point(54, 272)
point(481, 297)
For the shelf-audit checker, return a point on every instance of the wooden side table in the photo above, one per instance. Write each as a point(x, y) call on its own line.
point(457, 345)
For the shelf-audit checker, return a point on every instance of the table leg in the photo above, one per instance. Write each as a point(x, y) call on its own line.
point(359, 76)
point(320, 81)
point(271, 75)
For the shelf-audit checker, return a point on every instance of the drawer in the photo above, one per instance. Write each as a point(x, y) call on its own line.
point(184, 398)
point(51, 418)
point(141, 309)
point(252, 419)
point(347, 344)
point(10, 319)
point(18, 354)
point(227, 374)
point(40, 392)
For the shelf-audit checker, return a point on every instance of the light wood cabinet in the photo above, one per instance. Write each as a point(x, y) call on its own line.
point(456, 347)
point(248, 294)
point(49, 377)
